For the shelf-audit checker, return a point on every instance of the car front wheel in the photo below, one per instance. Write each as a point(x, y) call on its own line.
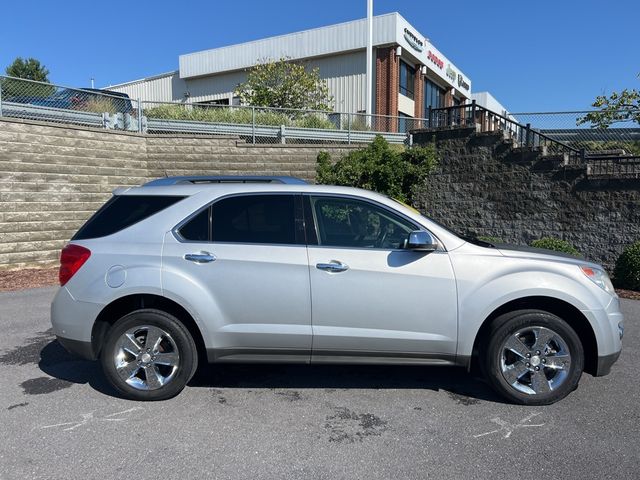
point(149, 355)
point(533, 357)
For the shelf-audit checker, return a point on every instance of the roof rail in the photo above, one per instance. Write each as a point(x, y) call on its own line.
point(163, 182)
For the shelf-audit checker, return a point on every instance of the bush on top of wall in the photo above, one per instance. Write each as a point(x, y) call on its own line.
point(627, 270)
point(557, 245)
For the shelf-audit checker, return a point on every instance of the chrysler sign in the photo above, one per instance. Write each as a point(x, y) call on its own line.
point(413, 40)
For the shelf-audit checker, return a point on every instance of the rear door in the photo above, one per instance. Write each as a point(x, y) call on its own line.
point(245, 260)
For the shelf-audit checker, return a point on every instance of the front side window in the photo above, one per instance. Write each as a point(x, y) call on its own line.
point(407, 79)
point(266, 219)
point(345, 222)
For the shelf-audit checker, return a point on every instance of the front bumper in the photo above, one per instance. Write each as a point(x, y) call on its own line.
point(605, 363)
point(608, 326)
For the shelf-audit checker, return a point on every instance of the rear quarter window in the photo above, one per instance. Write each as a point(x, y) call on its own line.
point(123, 211)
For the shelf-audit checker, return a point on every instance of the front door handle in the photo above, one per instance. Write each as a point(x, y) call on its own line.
point(202, 257)
point(334, 266)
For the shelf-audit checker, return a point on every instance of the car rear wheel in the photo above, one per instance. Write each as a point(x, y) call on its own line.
point(533, 357)
point(149, 355)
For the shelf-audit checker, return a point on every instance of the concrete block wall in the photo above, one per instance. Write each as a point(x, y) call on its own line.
point(230, 156)
point(52, 178)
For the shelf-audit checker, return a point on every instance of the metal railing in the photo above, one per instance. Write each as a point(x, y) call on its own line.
point(27, 99)
point(575, 129)
point(485, 120)
point(272, 125)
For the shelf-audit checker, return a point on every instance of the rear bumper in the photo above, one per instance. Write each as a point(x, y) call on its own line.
point(78, 348)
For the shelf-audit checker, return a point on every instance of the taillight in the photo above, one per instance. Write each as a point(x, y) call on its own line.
point(71, 259)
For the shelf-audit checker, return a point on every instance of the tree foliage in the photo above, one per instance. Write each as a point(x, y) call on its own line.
point(284, 84)
point(618, 107)
point(28, 69)
point(380, 167)
point(31, 69)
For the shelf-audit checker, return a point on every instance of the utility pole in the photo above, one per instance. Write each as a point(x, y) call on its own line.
point(369, 89)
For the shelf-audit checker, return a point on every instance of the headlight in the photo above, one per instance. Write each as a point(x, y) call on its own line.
point(599, 277)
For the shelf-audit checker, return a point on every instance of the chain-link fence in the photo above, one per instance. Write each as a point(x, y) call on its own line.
point(28, 99)
point(584, 130)
point(574, 132)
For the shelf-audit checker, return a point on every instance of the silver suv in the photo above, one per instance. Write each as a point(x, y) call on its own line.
point(269, 269)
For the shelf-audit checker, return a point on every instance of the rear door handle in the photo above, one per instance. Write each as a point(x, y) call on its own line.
point(334, 266)
point(202, 257)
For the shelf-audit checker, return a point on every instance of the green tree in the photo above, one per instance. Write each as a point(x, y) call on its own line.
point(284, 84)
point(393, 171)
point(618, 107)
point(29, 69)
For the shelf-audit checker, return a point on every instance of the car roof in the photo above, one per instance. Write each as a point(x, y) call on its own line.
point(225, 188)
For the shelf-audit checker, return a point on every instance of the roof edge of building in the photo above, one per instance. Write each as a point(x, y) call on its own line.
point(144, 79)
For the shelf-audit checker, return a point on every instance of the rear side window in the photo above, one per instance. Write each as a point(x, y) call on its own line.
point(197, 229)
point(121, 212)
point(256, 219)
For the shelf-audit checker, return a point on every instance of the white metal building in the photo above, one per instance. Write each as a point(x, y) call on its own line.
point(410, 73)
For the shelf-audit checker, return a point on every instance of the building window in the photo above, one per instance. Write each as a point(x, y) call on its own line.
point(433, 96)
point(407, 79)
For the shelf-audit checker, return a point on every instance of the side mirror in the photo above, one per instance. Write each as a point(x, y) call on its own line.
point(421, 241)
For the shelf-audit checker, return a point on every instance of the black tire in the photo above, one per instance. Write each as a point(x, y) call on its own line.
point(176, 339)
point(526, 323)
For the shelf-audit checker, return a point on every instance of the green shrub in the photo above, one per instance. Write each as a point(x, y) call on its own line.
point(490, 239)
point(200, 113)
point(314, 121)
point(627, 270)
point(556, 245)
point(380, 167)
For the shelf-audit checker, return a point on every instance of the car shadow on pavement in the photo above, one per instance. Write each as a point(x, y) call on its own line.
point(454, 380)
point(56, 362)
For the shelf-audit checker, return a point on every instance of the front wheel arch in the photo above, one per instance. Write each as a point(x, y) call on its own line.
point(567, 312)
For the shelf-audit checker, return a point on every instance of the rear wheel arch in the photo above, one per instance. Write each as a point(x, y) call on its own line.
point(130, 303)
point(566, 311)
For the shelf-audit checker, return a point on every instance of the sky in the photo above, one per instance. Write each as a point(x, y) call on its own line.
point(532, 56)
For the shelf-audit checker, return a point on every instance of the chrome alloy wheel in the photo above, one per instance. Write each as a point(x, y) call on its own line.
point(146, 357)
point(535, 360)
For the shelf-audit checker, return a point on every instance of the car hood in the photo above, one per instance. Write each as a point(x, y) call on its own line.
point(521, 251)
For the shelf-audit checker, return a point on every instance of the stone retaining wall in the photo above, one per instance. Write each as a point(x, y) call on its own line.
point(52, 178)
point(486, 187)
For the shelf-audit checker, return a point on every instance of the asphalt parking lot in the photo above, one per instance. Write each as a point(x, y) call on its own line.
point(60, 420)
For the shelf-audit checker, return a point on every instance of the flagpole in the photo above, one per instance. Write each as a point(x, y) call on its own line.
point(369, 80)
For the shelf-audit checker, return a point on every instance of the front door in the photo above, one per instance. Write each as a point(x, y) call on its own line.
point(372, 299)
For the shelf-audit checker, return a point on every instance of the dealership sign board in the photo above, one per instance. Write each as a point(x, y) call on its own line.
point(426, 54)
